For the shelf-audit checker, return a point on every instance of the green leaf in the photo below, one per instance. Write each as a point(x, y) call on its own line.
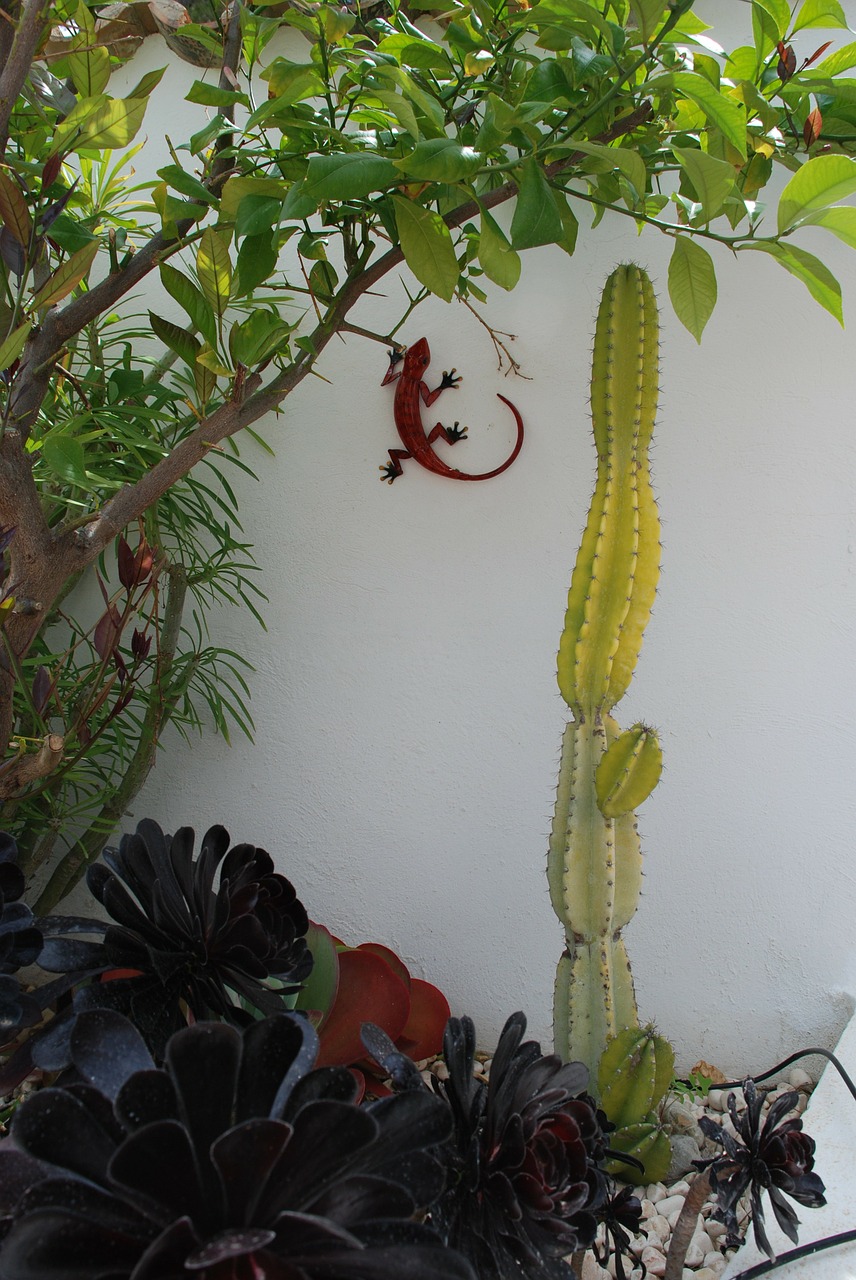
point(820, 13)
point(210, 95)
point(427, 247)
point(319, 990)
point(210, 360)
point(257, 258)
point(174, 176)
point(214, 268)
point(820, 182)
point(147, 84)
point(536, 219)
point(66, 277)
point(725, 113)
point(347, 176)
point(440, 160)
point(64, 456)
point(106, 127)
point(817, 278)
point(179, 340)
point(257, 214)
point(841, 221)
point(712, 179)
point(237, 189)
point(191, 300)
point(771, 19)
point(646, 14)
point(11, 347)
point(500, 262)
point(89, 67)
point(692, 284)
point(570, 226)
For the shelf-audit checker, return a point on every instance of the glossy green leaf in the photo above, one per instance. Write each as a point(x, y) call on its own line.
point(692, 284)
point(500, 262)
point(210, 360)
point(211, 95)
point(257, 214)
point(89, 67)
point(440, 160)
point(427, 247)
point(728, 115)
point(11, 347)
point(820, 13)
point(64, 455)
point(773, 17)
point(179, 340)
point(536, 219)
point(841, 221)
point(647, 15)
point(815, 275)
point(822, 181)
point(318, 993)
point(191, 300)
point(712, 179)
point(214, 268)
point(570, 226)
point(66, 277)
point(147, 83)
point(177, 178)
point(110, 125)
point(236, 190)
point(347, 176)
point(256, 261)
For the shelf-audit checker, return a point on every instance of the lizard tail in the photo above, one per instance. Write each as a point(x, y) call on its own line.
point(488, 475)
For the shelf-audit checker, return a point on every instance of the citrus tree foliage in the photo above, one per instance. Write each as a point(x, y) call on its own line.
point(379, 138)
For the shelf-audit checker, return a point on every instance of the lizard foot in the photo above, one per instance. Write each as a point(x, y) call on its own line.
point(450, 379)
point(389, 472)
point(456, 433)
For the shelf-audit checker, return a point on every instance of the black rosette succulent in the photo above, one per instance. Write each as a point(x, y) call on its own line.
point(180, 943)
point(20, 943)
point(234, 1161)
point(620, 1217)
point(776, 1157)
point(523, 1186)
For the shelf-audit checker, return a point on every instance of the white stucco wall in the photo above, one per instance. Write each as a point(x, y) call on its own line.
point(408, 720)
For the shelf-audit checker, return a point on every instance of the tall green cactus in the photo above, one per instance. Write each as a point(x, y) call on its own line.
point(595, 864)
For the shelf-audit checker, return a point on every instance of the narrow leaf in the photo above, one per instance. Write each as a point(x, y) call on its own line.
point(190, 299)
point(427, 247)
point(12, 346)
point(184, 344)
point(692, 285)
point(13, 209)
point(66, 277)
point(822, 181)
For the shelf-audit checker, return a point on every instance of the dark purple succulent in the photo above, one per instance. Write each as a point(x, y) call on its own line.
point(235, 1161)
point(180, 943)
point(620, 1216)
point(523, 1185)
point(20, 944)
point(777, 1157)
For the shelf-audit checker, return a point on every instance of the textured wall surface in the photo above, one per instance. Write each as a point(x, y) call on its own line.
point(408, 719)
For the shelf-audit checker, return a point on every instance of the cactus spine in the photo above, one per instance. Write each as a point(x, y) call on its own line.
point(595, 865)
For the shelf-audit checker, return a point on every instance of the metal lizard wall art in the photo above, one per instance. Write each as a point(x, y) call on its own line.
point(409, 390)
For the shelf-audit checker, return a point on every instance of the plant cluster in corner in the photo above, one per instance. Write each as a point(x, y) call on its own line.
point(268, 223)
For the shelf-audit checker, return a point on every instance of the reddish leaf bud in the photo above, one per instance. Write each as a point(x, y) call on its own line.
point(50, 172)
point(127, 565)
point(106, 635)
point(787, 64)
point(812, 127)
point(140, 645)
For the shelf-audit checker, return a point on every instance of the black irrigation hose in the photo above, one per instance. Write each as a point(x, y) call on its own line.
point(826, 1242)
point(804, 1250)
point(780, 1066)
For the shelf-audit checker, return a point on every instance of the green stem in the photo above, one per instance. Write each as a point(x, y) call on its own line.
point(160, 707)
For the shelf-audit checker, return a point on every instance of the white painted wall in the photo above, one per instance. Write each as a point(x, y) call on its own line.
point(405, 699)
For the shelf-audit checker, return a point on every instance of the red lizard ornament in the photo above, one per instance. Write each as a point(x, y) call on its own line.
point(408, 419)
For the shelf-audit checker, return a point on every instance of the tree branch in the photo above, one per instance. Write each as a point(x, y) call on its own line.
point(28, 33)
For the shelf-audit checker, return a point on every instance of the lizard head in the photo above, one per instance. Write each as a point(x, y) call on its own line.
point(417, 358)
